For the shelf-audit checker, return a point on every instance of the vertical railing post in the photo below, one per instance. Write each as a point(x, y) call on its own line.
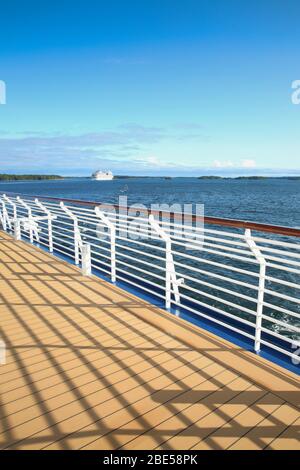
point(3, 218)
point(48, 213)
point(261, 287)
point(77, 236)
point(172, 282)
point(168, 273)
point(17, 226)
point(112, 233)
point(14, 206)
point(6, 221)
point(17, 229)
point(29, 213)
point(86, 266)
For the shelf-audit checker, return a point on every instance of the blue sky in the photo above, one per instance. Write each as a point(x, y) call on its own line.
point(150, 87)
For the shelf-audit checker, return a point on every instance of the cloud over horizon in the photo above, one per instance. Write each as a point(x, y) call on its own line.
point(127, 149)
point(246, 163)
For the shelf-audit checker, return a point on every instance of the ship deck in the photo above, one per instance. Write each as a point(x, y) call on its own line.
point(90, 366)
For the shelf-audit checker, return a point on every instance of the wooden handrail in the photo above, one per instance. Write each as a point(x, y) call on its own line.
point(234, 223)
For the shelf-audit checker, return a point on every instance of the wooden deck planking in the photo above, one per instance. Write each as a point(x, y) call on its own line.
point(91, 366)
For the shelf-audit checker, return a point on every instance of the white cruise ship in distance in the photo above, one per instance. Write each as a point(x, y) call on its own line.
point(102, 175)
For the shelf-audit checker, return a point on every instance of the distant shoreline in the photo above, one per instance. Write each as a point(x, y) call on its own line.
point(7, 177)
point(14, 177)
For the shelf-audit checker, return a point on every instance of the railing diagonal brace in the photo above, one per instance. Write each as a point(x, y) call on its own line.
point(32, 226)
point(50, 218)
point(172, 282)
point(77, 235)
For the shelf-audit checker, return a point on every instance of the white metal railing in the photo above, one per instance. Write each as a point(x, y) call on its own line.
point(245, 283)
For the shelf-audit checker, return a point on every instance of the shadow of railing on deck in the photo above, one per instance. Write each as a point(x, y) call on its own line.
point(91, 382)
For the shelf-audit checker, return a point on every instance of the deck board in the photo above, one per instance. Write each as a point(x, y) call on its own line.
point(90, 366)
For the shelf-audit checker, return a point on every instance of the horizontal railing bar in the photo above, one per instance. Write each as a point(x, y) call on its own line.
point(277, 335)
point(193, 246)
point(283, 282)
point(173, 225)
point(137, 242)
point(104, 266)
point(151, 283)
point(288, 261)
point(283, 268)
point(219, 253)
point(271, 241)
point(281, 350)
point(235, 223)
point(212, 286)
point(218, 299)
point(220, 265)
point(140, 286)
point(102, 255)
point(280, 252)
point(93, 245)
point(140, 270)
point(282, 296)
point(218, 310)
point(218, 276)
point(162, 268)
point(280, 323)
point(214, 320)
point(281, 309)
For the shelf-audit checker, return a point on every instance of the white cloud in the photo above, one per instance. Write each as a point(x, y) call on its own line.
point(153, 162)
point(248, 164)
point(223, 164)
point(229, 164)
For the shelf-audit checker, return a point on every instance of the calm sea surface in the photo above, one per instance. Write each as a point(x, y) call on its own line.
point(268, 201)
